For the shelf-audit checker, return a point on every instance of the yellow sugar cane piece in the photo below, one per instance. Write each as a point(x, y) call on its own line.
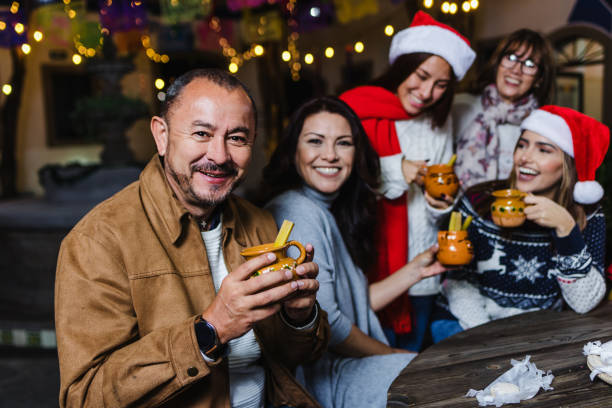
point(452, 222)
point(467, 222)
point(283, 233)
point(457, 222)
point(452, 160)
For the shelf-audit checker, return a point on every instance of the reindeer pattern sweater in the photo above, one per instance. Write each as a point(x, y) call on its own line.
point(524, 269)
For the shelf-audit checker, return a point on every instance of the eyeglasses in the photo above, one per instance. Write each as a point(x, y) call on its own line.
point(528, 67)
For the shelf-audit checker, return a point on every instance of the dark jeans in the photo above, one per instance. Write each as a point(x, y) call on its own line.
point(422, 307)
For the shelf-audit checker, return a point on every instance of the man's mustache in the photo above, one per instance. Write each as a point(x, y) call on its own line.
point(228, 168)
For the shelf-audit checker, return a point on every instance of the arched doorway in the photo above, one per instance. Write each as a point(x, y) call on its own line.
point(584, 70)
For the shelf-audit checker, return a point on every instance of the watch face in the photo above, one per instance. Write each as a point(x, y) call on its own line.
point(206, 336)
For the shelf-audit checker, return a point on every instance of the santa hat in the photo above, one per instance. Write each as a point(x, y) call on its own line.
point(428, 35)
point(578, 135)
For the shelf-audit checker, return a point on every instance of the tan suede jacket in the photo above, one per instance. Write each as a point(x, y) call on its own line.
point(132, 276)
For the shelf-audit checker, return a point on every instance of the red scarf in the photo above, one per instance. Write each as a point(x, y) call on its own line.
point(378, 110)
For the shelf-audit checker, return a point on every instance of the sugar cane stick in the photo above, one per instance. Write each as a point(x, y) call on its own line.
point(283, 233)
point(467, 222)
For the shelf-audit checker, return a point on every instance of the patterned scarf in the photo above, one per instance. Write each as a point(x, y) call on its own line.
point(478, 147)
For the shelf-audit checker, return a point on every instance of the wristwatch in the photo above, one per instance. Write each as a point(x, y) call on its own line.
point(209, 343)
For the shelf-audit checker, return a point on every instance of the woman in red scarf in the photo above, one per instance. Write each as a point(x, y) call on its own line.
point(405, 116)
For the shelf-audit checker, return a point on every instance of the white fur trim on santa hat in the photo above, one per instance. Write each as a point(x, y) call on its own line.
point(434, 40)
point(588, 192)
point(551, 126)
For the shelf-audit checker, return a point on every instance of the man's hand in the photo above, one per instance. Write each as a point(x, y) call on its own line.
point(241, 302)
point(298, 307)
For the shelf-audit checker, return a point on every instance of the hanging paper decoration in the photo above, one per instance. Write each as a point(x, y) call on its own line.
point(87, 34)
point(8, 36)
point(184, 11)
point(237, 5)
point(261, 27)
point(52, 20)
point(348, 10)
point(122, 15)
point(178, 37)
point(314, 14)
point(127, 41)
point(209, 33)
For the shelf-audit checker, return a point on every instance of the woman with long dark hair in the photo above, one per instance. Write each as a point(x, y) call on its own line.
point(556, 258)
point(322, 176)
point(405, 113)
point(516, 80)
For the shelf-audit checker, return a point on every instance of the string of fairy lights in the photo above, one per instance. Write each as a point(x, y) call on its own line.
point(236, 59)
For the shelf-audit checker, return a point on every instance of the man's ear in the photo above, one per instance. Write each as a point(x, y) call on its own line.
point(161, 133)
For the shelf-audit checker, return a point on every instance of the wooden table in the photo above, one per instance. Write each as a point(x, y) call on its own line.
point(441, 375)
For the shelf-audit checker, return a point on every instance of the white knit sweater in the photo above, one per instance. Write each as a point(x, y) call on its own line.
point(418, 141)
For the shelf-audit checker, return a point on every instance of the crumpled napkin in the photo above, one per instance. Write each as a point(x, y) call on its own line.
point(524, 375)
point(604, 351)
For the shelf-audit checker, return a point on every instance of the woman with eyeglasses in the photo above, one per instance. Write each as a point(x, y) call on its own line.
point(517, 79)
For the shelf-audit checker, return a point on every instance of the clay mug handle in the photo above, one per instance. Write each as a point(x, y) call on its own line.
point(302, 251)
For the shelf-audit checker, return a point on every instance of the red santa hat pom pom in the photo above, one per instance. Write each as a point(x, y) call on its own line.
point(580, 136)
point(425, 34)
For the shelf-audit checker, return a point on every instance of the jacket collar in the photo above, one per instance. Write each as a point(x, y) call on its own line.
point(168, 216)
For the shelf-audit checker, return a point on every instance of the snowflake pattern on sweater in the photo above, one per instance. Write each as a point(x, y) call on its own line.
point(521, 267)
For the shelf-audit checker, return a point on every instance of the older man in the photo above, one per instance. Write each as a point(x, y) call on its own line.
point(154, 305)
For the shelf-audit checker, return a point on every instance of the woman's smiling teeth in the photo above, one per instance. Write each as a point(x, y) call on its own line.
point(512, 81)
point(327, 170)
point(528, 171)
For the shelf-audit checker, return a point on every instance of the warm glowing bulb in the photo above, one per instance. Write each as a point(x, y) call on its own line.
point(2, 25)
point(359, 46)
point(91, 52)
point(329, 52)
point(76, 59)
point(309, 58)
point(146, 41)
point(7, 89)
point(453, 8)
point(286, 56)
point(71, 13)
point(389, 30)
point(159, 83)
point(161, 96)
point(427, 3)
point(26, 48)
point(165, 59)
point(82, 50)
point(466, 6)
point(258, 50)
point(14, 7)
point(233, 67)
point(19, 28)
point(38, 36)
point(474, 4)
point(445, 7)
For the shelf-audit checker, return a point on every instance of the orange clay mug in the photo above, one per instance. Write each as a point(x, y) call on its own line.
point(282, 261)
point(455, 248)
point(441, 179)
point(508, 209)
